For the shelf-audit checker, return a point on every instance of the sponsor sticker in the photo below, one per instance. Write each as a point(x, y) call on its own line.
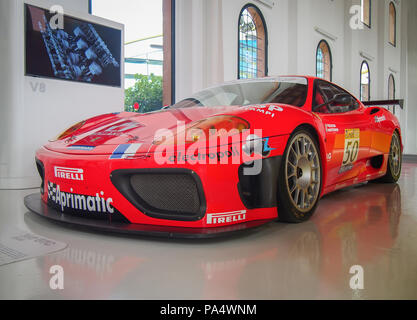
point(118, 129)
point(124, 151)
point(329, 156)
point(268, 110)
point(351, 151)
point(379, 119)
point(84, 148)
point(346, 168)
point(267, 148)
point(69, 173)
point(232, 152)
point(254, 144)
point(331, 128)
point(228, 217)
point(74, 201)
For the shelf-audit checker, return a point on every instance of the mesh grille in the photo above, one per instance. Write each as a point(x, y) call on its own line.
point(175, 193)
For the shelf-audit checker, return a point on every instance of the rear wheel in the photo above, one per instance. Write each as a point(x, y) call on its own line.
point(300, 178)
point(394, 160)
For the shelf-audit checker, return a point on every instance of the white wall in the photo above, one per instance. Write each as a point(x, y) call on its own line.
point(293, 38)
point(29, 116)
point(409, 81)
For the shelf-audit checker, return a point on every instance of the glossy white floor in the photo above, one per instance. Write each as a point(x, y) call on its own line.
point(374, 226)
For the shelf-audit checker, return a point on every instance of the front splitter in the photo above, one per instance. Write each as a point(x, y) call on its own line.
point(35, 204)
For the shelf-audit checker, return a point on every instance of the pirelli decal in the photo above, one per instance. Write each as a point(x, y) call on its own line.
point(227, 217)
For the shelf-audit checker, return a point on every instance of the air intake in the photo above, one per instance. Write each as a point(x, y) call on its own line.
point(173, 194)
point(41, 170)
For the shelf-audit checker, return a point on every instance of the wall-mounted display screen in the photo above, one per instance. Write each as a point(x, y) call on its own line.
point(80, 51)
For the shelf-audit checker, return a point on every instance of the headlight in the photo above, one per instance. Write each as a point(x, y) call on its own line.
point(69, 131)
point(207, 129)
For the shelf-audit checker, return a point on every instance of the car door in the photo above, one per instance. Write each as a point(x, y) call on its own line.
point(347, 138)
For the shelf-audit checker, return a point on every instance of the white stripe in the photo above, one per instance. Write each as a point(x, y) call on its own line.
point(131, 150)
point(228, 213)
point(73, 170)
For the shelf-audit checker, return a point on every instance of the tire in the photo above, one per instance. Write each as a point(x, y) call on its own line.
point(300, 178)
point(395, 159)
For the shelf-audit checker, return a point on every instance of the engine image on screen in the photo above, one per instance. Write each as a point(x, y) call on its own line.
point(81, 51)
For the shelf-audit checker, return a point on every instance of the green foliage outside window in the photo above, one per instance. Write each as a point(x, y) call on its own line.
point(147, 92)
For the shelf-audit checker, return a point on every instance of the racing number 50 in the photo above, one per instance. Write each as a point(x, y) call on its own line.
point(351, 152)
point(352, 138)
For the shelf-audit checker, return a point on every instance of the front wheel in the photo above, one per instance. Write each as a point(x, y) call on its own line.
point(300, 178)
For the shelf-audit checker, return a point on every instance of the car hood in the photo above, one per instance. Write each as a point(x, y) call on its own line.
point(100, 135)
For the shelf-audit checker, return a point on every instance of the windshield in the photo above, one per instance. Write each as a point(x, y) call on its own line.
point(290, 90)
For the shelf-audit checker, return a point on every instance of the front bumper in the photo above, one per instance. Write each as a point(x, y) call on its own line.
point(35, 204)
point(92, 186)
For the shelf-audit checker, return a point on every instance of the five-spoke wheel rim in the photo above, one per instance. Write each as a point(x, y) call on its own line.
point(303, 172)
point(395, 156)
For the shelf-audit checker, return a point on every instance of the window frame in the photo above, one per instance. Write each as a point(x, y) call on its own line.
point(317, 82)
point(392, 5)
point(391, 76)
point(369, 81)
point(265, 29)
point(370, 13)
point(330, 56)
point(169, 68)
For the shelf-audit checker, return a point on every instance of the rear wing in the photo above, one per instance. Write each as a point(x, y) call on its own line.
point(389, 103)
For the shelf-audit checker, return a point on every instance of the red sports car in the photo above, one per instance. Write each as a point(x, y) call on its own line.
point(228, 158)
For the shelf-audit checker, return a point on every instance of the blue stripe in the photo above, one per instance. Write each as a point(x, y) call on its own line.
point(120, 151)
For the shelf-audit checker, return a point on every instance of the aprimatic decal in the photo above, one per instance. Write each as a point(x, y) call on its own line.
point(351, 150)
point(72, 201)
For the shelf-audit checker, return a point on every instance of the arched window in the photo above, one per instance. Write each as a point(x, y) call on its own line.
point(252, 60)
point(366, 12)
point(392, 24)
point(391, 90)
point(324, 61)
point(365, 82)
point(391, 87)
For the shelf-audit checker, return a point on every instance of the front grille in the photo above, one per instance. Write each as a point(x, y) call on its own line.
point(174, 194)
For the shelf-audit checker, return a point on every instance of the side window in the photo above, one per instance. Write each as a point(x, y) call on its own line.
point(324, 94)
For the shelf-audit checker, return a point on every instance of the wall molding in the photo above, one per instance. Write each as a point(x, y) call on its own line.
point(366, 55)
point(325, 33)
point(268, 3)
point(168, 90)
point(393, 70)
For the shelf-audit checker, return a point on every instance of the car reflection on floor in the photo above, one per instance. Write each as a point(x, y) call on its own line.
point(356, 226)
